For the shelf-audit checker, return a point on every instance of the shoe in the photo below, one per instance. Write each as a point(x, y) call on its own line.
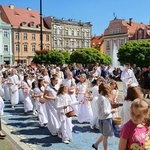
point(96, 148)
point(92, 127)
point(3, 136)
point(13, 107)
point(59, 135)
point(66, 142)
point(53, 134)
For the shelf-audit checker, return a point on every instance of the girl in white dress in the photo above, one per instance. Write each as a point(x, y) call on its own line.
point(85, 113)
point(70, 82)
point(62, 102)
point(28, 107)
point(94, 121)
point(50, 96)
point(40, 102)
point(5, 86)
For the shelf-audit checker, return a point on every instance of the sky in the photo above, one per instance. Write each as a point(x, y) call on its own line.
point(98, 12)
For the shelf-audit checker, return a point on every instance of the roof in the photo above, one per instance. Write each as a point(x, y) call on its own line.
point(133, 26)
point(97, 40)
point(16, 16)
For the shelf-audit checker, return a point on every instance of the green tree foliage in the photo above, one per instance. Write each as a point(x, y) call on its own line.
point(49, 57)
point(89, 56)
point(66, 57)
point(137, 52)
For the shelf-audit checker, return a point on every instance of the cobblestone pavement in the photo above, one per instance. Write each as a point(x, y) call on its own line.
point(26, 128)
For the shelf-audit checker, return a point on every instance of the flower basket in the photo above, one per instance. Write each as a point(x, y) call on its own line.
point(117, 120)
point(70, 113)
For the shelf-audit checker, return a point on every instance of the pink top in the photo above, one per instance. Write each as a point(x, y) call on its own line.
point(135, 136)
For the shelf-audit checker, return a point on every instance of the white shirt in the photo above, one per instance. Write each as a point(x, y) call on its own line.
point(104, 106)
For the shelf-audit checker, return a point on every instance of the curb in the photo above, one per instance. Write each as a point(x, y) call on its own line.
point(16, 139)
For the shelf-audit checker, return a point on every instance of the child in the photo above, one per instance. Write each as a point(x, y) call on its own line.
point(134, 132)
point(62, 101)
point(133, 92)
point(105, 115)
point(85, 113)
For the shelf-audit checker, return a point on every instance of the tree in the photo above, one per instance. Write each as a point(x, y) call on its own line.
point(55, 57)
point(89, 56)
point(48, 57)
point(66, 57)
point(137, 52)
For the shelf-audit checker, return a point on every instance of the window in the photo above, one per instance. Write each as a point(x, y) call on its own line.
point(33, 47)
point(55, 42)
point(87, 34)
point(72, 32)
point(47, 37)
point(33, 36)
point(82, 34)
point(78, 33)
point(61, 31)
point(25, 36)
point(17, 47)
point(61, 42)
point(117, 30)
point(17, 35)
point(6, 48)
point(72, 43)
point(67, 43)
point(78, 43)
point(67, 32)
point(55, 31)
point(25, 48)
point(5, 34)
point(47, 47)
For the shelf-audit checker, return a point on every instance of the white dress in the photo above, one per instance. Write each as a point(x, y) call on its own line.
point(85, 113)
point(13, 88)
point(66, 123)
point(5, 86)
point(125, 112)
point(41, 108)
point(21, 94)
point(128, 77)
point(27, 101)
point(53, 120)
point(94, 121)
point(1, 106)
point(72, 96)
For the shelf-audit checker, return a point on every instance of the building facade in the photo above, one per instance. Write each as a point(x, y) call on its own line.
point(97, 43)
point(26, 31)
point(69, 35)
point(119, 32)
point(6, 54)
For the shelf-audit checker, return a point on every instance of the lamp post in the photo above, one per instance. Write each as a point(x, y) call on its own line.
point(18, 44)
point(41, 35)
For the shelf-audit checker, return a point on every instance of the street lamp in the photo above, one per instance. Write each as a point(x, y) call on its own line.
point(18, 44)
point(41, 36)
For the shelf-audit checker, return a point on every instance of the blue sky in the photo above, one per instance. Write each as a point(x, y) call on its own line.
point(98, 12)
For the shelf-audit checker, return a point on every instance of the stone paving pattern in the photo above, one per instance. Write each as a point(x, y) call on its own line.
point(26, 127)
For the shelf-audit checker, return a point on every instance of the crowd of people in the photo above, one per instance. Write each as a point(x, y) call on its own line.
point(49, 92)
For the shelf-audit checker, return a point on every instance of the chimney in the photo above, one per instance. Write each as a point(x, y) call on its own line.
point(130, 21)
point(29, 9)
point(11, 6)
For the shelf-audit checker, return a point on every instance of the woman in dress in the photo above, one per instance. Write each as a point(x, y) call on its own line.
point(50, 95)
